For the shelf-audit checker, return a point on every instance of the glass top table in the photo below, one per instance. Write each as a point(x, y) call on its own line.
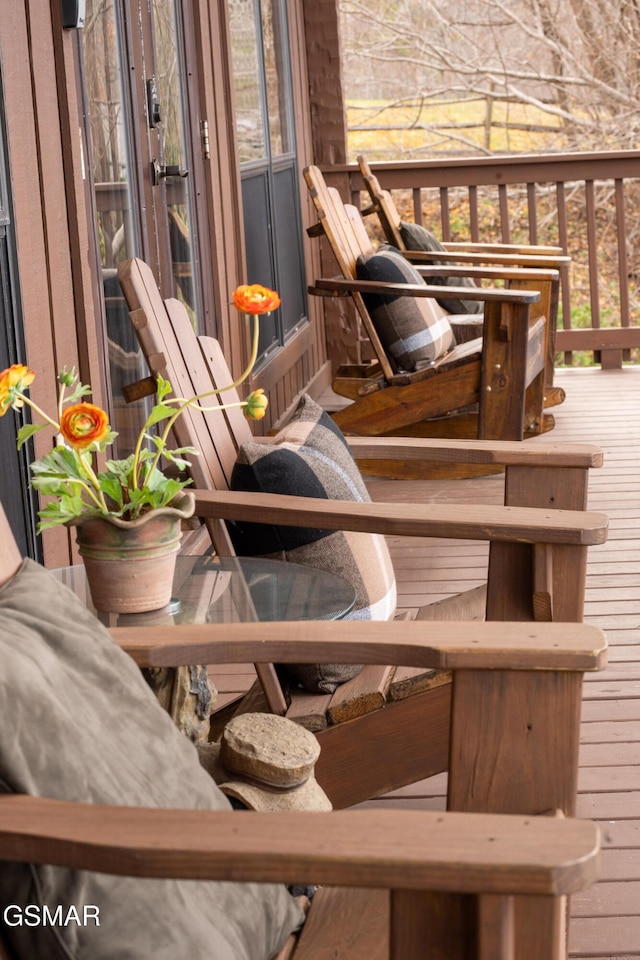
point(241, 589)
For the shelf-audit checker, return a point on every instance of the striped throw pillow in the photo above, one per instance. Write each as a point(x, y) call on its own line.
point(309, 457)
point(413, 330)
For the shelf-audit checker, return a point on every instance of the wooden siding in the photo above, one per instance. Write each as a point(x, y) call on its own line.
point(43, 134)
point(326, 103)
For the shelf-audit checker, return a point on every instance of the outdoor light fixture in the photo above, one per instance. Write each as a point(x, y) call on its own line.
point(73, 12)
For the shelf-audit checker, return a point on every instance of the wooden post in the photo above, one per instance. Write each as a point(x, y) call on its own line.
point(514, 749)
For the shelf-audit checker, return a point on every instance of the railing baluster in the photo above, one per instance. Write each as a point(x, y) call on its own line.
point(563, 241)
point(503, 200)
point(532, 208)
point(623, 260)
point(594, 293)
point(417, 205)
point(474, 221)
point(445, 213)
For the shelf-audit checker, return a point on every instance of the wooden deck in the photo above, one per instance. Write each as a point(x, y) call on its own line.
point(602, 407)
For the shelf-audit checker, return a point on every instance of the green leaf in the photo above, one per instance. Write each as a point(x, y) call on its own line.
point(160, 412)
point(174, 457)
point(113, 489)
point(191, 451)
point(155, 480)
point(145, 453)
point(163, 387)
point(80, 391)
point(59, 462)
point(27, 431)
point(118, 468)
point(66, 507)
point(51, 486)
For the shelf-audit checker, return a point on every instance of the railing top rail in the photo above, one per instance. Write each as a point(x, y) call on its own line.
point(520, 168)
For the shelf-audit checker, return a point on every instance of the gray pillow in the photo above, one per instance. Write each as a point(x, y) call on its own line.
point(412, 331)
point(416, 237)
point(80, 723)
point(309, 457)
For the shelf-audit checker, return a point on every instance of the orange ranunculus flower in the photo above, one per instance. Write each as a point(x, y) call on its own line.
point(255, 298)
point(15, 378)
point(84, 424)
point(256, 405)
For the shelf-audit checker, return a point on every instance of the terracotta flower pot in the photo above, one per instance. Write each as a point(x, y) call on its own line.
point(130, 563)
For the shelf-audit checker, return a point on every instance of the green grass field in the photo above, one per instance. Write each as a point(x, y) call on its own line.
point(400, 129)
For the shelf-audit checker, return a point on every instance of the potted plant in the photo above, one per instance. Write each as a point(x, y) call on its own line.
point(127, 514)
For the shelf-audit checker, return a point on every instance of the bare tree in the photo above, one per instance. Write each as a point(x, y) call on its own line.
point(576, 61)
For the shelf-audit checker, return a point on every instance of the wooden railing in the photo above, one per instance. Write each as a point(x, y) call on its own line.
point(586, 203)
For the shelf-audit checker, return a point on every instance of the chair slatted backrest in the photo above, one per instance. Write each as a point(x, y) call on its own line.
point(347, 242)
point(193, 365)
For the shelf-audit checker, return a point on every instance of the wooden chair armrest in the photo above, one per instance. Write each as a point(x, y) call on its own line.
point(469, 522)
point(336, 286)
point(513, 259)
point(507, 453)
point(457, 852)
point(488, 272)
point(469, 645)
point(533, 250)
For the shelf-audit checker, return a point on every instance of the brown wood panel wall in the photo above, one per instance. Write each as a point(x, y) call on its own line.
point(44, 161)
point(327, 110)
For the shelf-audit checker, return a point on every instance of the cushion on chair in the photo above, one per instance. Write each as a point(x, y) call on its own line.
point(80, 723)
point(309, 457)
point(411, 329)
point(416, 237)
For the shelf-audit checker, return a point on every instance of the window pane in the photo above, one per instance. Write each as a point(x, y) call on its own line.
point(277, 78)
point(107, 129)
point(247, 80)
point(169, 70)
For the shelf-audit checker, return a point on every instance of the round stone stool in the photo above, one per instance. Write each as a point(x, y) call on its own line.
point(267, 762)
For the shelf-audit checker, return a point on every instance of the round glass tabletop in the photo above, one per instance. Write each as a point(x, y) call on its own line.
point(242, 589)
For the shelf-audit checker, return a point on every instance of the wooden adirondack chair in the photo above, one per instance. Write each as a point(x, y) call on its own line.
point(530, 256)
point(536, 570)
point(460, 884)
point(502, 371)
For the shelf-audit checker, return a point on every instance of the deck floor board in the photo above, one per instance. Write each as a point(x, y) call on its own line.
point(602, 407)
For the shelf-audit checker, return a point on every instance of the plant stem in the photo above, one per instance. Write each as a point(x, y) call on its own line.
point(88, 469)
point(218, 406)
point(60, 401)
point(99, 501)
point(36, 408)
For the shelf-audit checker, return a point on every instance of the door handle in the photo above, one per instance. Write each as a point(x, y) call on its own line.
point(160, 171)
